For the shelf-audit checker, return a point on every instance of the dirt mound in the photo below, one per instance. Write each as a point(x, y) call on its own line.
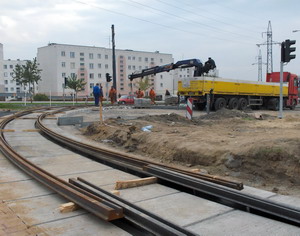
point(166, 118)
point(225, 114)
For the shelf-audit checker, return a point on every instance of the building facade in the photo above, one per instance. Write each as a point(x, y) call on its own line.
point(1, 69)
point(58, 61)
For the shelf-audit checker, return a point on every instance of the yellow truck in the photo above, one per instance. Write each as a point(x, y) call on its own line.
point(238, 94)
point(228, 93)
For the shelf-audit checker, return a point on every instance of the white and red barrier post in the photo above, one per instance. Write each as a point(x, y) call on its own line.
point(189, 109)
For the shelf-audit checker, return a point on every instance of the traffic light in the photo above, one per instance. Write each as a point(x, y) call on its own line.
point(108, 77)
point(286, 50)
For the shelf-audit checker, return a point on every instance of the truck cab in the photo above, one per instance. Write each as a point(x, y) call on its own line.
point(293, 83)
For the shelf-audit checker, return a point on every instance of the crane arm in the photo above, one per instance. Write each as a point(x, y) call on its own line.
point(172, 66)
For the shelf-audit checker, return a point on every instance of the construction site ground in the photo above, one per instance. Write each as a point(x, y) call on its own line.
point(254, 147)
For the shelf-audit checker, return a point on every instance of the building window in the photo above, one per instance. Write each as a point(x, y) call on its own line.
point(121, 57)
point(146, 59)
point(99, 65)
point(161, 76)
point(91, 55)
point(63, 64)
point(91, 65)
point(63, 53)
point(129, 57)
point(99, 56)
point(161, 85)
point(5, 66)
point(81, 59)
point(63, 75)
point(91, 85)
point(82, 54)
point(72, 65)
point(129, 67)
point(11, 73)
point(72, 74)
point(99, 76)
point(81, 64)
point(106, 56)
point(6, 81)
point(5, 74)
point(106, 66)
point(121, 61)
point(6, 89)
point(72, 54)
point(152, 59)
point(133, 67)
point(11, 66)
point(122, 88)
point(140, 59)
point(161, 60)
point(82, 68)
point(133, 58)
point(91, 75)
point(82, 74)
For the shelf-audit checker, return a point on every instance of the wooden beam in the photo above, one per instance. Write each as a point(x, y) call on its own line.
point(68, 207)
point(135, 183)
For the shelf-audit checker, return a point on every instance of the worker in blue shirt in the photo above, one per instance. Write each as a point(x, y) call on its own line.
point(96, 93)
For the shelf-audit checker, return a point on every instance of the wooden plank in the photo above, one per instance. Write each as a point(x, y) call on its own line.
point(115, 192)
point(7, 130)
point(135, 183)
point(30, 130)
point(68, 207)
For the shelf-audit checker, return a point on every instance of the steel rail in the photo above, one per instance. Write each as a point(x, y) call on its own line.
point(99, 207)
point(241, 200)
point(132, 162)
point(133, 213)
point(224, 195)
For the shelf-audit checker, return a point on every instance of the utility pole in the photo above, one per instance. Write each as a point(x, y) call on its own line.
point(259, 63)
point(113, 57)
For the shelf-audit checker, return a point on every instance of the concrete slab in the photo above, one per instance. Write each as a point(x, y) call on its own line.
point(102, 177)
point(293, 202)
point(189, 209)
point(11, 173)
point(38, 210)
point(74, 167)
point(146, 192)
point(257, 192)
point(85, 224)
point(22, 190)
point(242, 223)
point(68, 120)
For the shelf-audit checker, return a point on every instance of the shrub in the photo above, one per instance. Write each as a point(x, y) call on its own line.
point(40, 97)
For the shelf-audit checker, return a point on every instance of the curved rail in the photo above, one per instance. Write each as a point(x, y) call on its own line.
point(185, 179)
point(100, 207)
point(104, 205)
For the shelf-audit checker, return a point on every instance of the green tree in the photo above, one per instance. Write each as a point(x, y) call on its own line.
point(75, 84)
point(144, 83)
point(28, 74)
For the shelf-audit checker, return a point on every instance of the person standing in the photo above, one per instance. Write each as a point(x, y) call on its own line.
point(112, 95)
point(152, 96)
point(167, 93)
point(140, 93)
point(96, 93)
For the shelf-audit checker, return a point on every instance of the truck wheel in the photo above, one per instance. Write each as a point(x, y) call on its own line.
point(233, 103)
point(273, 104)
point(220, 103)
point(242, 103)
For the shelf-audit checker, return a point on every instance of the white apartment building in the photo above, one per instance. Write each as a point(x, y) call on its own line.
point(11, 87)
point(1, 69)
point(58, 61)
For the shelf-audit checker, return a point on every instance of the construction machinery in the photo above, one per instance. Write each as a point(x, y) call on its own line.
point(229, 93)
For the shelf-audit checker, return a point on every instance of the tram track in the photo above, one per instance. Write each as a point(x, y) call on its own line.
point(183, 180)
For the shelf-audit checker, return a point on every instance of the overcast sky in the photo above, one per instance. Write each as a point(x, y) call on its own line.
point(227, 31)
